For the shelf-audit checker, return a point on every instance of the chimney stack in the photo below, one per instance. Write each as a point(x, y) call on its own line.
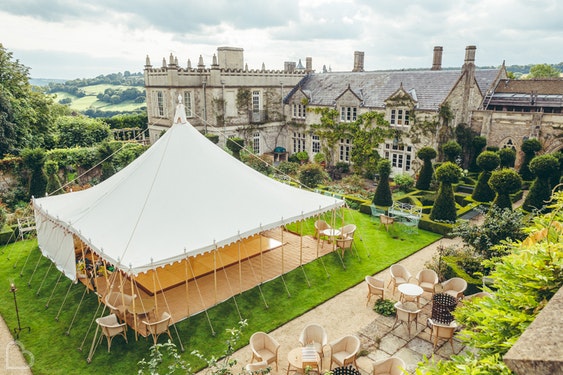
point(308, 64)
point(437, 60)
point(470, 54)
point(358, 61)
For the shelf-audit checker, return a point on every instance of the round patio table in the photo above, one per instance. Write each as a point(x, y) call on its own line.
point(295, 359)
point(410, 291)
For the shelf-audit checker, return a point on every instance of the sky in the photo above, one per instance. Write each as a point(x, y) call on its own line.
point(68, 39)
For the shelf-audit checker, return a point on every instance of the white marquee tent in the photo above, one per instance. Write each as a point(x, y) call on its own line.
point(183, 197)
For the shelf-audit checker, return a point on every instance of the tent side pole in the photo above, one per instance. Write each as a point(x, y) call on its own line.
point(75, 313)
point(63, 303)
point(301, 250)
point(53, 291)
point(282, 261)
point(186, 260)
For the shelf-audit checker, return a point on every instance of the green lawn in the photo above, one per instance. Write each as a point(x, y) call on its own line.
point(57, 352)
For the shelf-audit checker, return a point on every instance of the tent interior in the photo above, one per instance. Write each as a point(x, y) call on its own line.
point(199, 282)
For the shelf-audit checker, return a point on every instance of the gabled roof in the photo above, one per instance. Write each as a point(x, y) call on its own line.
point(431, 86)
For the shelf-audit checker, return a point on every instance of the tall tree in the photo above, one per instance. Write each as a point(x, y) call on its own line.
point(544, 71)
point(26, 116)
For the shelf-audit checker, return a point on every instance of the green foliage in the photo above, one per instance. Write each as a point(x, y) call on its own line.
point(33, 160)
point(524, 281)
point(3, 216)
point(365, 134)
point(404, 181)
point(444, 206)
point(451, 151)
point(477, 145)
point(427, 171)
point(259, 163)
point(128, 121)
point(500, 224)
point(384, 307)
point(507, 157)
point(312, 175)
point(383, 196)
point(448, 173)
point(79, 131)
point(26, 115)
point(53, 180)
point(487, 161)
point(543, 166)
point(504, 182)
point(302, 156)
point(543, 71)
point(319, 158)
point(288, 168)
point(235, 145)
point(212, 137)
point(342, 167)
point(165, 357)
point(529, 148)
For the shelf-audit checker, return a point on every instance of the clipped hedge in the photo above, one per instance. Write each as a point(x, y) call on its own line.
point(7, 235)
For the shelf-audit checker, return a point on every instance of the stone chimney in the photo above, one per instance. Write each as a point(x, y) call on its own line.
point(358, 61)
point(437, 60)
point(470, 54)
point(308, 64)
point(289, 66)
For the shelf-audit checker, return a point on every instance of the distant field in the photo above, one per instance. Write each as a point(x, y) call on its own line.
point(91, 101)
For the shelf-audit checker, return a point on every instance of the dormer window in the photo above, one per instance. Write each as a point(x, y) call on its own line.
point(399, 117)
point(348, 114)
point(299, 110)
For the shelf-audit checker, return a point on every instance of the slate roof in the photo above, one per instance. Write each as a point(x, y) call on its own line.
point(429, 87)
point(528, 93)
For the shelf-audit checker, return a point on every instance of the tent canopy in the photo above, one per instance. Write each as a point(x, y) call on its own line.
point(184, 196)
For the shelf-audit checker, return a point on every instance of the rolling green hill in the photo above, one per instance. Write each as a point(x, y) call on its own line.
point(91, 102)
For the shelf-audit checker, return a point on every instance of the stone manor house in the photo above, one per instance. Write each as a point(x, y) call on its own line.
point(271, 109)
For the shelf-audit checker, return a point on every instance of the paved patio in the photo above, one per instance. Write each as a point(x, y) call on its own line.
point(347, 313)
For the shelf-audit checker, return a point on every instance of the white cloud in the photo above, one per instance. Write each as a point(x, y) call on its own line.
point(73, 39)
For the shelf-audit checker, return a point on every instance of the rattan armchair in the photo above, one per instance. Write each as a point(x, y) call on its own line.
point(389, 366)
point(406, 313)
point(315, 335)
point(399, 275)
point(159, 327)
point(110, 327)
point(376, 287)
point(454, 287)
point(344, 350)
point(427, 279)
point(264, 348)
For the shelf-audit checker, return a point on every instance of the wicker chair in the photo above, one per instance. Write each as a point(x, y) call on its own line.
point(111, 327)
point(427, 279)
point(256, 368)
point(454, 287)
point(159, 327)
point(444, 331)
point(314, 334)
point(118, 303)
point(343, 351)
point(376, 287)
point(399, 275)
point(407, 312)
point(264, 348)
point(346, 238)
point(389, 366)
point(321, 225)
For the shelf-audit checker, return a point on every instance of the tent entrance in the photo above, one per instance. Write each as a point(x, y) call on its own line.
point(174, 275)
